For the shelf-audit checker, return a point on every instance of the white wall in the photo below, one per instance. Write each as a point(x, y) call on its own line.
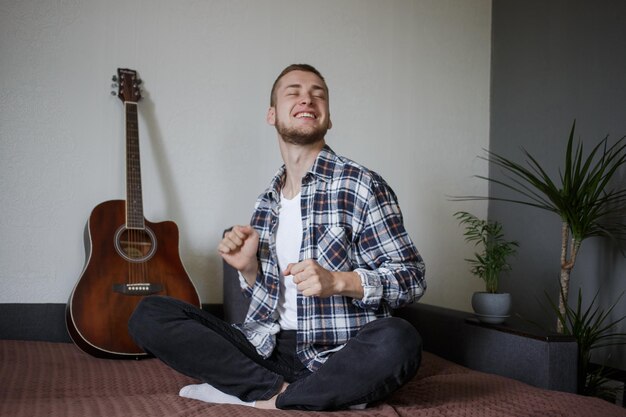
point(409, 85)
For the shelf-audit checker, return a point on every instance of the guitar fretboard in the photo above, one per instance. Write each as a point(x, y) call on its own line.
point(134, 202)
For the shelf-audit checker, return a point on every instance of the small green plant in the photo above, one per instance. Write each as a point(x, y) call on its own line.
point(593, 329)
point(492, 261)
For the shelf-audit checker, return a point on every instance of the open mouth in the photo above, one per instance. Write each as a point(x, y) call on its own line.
point(305, 115)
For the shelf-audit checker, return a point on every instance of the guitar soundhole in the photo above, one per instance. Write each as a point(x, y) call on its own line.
point(135, 245)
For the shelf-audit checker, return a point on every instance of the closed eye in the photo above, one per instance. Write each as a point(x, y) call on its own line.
point(319, 92)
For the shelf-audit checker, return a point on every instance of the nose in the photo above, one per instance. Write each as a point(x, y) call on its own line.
point(306, 98)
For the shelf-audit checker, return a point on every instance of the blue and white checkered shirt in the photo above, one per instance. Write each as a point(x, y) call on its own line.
point(351, 222)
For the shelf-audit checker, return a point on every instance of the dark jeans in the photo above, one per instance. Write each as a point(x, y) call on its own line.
point(384, 355)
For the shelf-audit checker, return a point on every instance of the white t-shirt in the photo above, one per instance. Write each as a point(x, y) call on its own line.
point(288, 243)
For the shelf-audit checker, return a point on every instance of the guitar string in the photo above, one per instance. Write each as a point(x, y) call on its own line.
point(129, 195)
point(141, 239)
point(140, 234)
point(145, 242)
point(132, 232)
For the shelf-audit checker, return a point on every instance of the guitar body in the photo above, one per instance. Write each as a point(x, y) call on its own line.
point(117, 276)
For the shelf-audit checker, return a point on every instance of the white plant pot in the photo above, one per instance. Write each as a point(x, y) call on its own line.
point(491, 308)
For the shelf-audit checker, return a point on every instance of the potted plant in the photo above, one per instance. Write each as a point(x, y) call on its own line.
point(582, 197)
point(593, 328)
point(490, 306)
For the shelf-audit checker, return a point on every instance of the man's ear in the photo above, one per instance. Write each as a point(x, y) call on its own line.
point(330, 123)
point(271, 116)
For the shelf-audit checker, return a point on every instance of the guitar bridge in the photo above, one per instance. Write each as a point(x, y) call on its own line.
point(142, 288)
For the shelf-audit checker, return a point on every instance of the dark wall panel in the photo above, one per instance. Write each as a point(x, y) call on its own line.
point(552, 62)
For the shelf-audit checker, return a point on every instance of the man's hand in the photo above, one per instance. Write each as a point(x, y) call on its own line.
point(239, 248)
point(313, 280)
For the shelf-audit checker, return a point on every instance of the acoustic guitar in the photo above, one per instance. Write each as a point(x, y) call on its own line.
point(128, 257)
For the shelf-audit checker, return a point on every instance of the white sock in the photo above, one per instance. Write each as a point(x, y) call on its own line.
point(210, 394)
point(362, 406)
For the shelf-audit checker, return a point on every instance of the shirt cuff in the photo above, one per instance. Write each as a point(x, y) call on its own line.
point(244, 284)
point(372, 289)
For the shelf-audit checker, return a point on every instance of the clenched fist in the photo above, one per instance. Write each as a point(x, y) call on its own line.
point(313, 280)
point(238, 248)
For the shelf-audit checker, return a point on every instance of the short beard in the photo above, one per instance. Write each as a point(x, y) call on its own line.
point(296, 136)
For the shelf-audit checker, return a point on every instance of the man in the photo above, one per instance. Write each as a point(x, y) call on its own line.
point(325, 260)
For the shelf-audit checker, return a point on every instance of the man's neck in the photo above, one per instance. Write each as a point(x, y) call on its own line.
point(298, 160)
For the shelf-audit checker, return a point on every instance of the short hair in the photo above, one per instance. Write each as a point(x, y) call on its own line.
point(294, 67)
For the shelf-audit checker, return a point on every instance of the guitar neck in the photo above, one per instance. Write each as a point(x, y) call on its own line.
point(134, 201)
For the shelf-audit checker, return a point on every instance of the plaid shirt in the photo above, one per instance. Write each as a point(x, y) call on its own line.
point(351, 222)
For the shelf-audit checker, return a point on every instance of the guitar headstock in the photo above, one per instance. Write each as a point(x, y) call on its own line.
point(128, 82)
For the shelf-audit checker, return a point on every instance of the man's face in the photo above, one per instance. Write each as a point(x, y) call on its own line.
point(301, 113)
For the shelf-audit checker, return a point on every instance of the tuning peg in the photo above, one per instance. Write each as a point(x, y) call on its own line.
point(113, 93)
point(139, 81)
point(114, 78)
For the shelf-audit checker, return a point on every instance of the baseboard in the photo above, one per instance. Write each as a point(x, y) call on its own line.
point(46, 322)
point(33, 322)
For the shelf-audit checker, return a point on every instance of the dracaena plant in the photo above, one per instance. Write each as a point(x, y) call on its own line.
point(491, 261)
point(586, 196)
point(593, 329)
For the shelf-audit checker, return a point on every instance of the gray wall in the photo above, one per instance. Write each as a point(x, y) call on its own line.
point(553, 62)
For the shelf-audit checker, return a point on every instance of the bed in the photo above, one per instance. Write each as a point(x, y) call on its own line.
point(468, 369)
point(58, 379)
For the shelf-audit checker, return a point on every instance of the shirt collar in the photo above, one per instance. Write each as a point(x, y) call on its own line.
point(323, 169)
point(325, 164)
